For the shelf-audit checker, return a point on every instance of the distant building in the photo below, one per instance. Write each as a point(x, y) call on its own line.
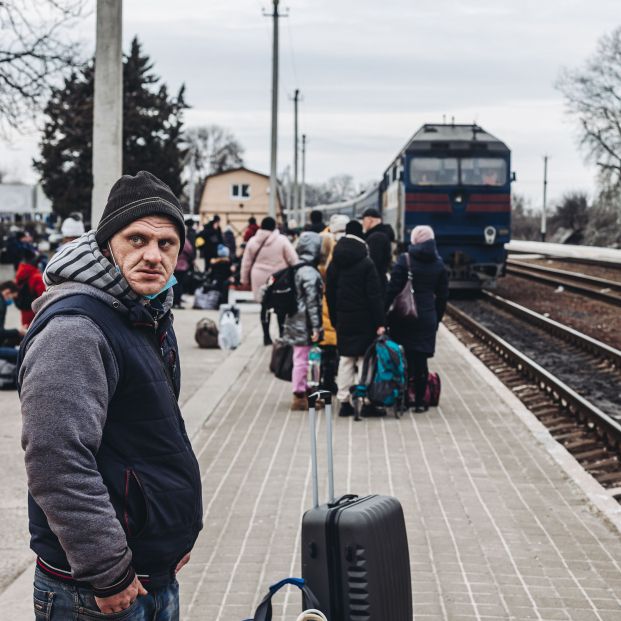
point(235, 195)
point(23, 203)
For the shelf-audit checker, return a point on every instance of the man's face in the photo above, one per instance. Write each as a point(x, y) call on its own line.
point(146, 251)
point(368, 222)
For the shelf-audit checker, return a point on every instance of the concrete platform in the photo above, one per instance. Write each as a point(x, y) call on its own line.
point(502, 523)
point(498, 529)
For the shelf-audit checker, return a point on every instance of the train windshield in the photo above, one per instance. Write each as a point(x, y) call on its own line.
point(490, 171)
point(483, 171)
point(434, 171)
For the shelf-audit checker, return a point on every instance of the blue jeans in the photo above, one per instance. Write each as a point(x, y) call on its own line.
point(55, 600)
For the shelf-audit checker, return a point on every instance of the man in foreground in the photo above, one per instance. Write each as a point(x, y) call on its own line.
point(114, 487)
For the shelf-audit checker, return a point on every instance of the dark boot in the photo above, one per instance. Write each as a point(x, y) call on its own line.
point(347, 409)
point(267, 339)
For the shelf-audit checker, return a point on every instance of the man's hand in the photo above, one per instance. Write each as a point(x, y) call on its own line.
point(315, 336)
point(122, 600)
point(381, 330)
point(182, 562)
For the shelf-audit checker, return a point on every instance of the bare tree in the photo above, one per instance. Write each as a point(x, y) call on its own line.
point(571, 213)
point(604, 226)
point(524, 221)
point(593, 96)
point(213, 149)
point(35, 52)
point(335, 189)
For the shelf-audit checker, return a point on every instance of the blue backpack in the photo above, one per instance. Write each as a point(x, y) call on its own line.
point(384, 374)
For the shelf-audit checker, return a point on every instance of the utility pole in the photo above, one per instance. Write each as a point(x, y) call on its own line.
point(192, 183)
point(303, 189)
point(296, 189)
point(108, 106)
point(545, 193)
point(274, 139)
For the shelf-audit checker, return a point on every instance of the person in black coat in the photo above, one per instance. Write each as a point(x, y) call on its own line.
point(355, 304)
point(430, 284)
point(379, 237)
point(212, 238)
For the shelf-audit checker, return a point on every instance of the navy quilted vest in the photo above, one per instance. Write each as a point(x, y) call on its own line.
point(145, 457)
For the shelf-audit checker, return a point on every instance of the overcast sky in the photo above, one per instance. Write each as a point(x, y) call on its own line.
point(370, 74)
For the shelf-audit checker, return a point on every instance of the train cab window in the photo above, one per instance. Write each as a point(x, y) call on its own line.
point(434, 171)
point(490, 171)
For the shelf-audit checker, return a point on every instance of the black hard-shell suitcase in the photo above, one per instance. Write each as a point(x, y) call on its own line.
point(355, 555)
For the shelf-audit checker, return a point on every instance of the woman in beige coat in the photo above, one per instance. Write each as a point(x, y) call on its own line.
point(266, 252)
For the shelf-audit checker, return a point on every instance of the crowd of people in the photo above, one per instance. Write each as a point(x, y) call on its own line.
point(346, 278)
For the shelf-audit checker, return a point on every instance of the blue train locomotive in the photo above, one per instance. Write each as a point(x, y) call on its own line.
point(457, 179)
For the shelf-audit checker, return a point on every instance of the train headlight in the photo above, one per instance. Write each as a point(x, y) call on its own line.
point(490, 234)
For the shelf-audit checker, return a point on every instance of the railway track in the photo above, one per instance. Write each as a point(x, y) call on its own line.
point(591, 434)
point(592, 286)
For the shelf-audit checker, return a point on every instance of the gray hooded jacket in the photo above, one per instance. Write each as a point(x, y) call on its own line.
point(309, 293)
point(63, 422)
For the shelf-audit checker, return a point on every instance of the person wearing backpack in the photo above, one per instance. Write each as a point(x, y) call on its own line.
point(304, 326)
point(356, 308)
point(430, 285)
point(268, 251)
point(30, 285)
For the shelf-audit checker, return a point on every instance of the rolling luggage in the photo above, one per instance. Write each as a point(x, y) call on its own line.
point(281, 362)
point(355, 555)
point(432, 391)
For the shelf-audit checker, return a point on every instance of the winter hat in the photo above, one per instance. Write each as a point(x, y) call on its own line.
point(72, 228)
point(421, 233)
point(268, 224)
point(132, 198)
point(338, 222)
point(354, 228)
point(371, 212)
point(223, 251)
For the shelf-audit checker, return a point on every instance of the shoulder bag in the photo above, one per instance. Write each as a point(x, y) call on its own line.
point(256, 256)
point(403, 307)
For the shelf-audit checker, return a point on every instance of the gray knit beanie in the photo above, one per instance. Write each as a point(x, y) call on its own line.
point(132, 198)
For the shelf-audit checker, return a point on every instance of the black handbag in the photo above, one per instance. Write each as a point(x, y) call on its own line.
point(281, 363)
point(403, 307)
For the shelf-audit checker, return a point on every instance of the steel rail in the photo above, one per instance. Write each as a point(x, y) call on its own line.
point(586, 279)
point(583, 341)
point(556, 277)
point(608, 429)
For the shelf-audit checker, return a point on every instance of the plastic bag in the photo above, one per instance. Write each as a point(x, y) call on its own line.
point(229, 336)
point(206, 300)
point(312, 615)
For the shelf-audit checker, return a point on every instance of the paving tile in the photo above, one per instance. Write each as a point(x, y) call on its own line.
point(496, 528)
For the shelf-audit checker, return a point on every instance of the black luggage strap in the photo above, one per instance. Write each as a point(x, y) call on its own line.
point(264, 609)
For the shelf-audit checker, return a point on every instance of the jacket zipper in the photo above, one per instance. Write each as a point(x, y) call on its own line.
point(126, 507)
point(196, 474)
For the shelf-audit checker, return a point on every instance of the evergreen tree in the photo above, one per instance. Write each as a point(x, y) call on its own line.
point(152, 128)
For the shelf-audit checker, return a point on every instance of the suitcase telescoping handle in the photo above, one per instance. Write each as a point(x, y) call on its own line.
point(326, 397)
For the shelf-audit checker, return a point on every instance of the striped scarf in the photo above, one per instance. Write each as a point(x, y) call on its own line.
point(82, 261)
